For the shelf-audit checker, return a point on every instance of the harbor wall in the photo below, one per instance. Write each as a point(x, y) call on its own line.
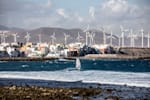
point(135, 51)
point(122, 53)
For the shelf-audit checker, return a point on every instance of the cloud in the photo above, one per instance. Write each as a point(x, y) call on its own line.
point(9, 6)
point(41, 21)
point(113, 13)
point(62, 13)
point(49, 3)
point(92, 11)
point(121, 10)
point(24, 6)
point(78, 17)
point(108, 13)
point(115, 8)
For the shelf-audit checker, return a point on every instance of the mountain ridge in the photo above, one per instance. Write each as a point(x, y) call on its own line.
point(46, 32)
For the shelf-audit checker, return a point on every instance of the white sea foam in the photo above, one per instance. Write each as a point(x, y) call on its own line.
point(65, 60)
point(106, 77)
point(3, 61)
point(25, 65)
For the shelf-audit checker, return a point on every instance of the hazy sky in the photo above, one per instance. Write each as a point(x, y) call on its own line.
point(110, 14)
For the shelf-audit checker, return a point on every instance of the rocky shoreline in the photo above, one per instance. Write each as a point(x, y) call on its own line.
point(43, 93)
point(122, 53)
point(90, 56)
point(26, 89)
point(26, 58)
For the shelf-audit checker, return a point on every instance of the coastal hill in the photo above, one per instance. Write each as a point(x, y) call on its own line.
point(46, 32)
point(3, 27)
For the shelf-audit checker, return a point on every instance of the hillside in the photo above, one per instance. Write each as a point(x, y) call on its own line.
point(46, 32)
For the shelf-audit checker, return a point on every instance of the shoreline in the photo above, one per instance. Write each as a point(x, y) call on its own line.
point(88, 57)
point(70, 90)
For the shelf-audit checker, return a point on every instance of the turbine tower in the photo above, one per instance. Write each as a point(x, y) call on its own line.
point(104, 35)
point(134, 37)
point(92, 36)
point(148, 40)
point(1, 35)
point(66, 37)
point(79, 37)
point(27, 37)
point(131, 38)
point(111, 34)
point(4, 36)
point(15, 35)
point(142, 32)
point(119, 41)
point(40, 39)
point(122, 35)
point(53, 38)
point(111, 38)
point(87, 34)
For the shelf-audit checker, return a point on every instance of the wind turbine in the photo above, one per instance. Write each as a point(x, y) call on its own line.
point(104, 35)
point(122, 34)
point(111, 37)
point(27, 37)
point(4, 36)
point(111, 34)
point(92, 36)
point(40, 39)
point(1, 37)
point(66, 37)
point(87, 34)
point(134, 37)
point(53, 38)
point(131, 38)
point(148, 40)
point(15, 37)
point(142, 32)
point(119, 43)
point(79, 37)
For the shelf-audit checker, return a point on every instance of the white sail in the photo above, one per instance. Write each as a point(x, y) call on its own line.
point(78, 64)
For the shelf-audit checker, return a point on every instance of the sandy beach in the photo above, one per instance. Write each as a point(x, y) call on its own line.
point(29, 89)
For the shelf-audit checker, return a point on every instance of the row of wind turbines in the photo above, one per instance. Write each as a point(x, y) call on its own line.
point(4, 35)
point(89, 37)
point(132, 37)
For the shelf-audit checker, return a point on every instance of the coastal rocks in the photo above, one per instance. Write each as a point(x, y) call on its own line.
point(135, 51)
point(87, 50)
point(42, 93)
point(99, 92)
point(13, 87)
point(112, 98)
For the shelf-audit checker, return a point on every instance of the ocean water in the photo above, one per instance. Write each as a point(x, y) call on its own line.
point(108, 71)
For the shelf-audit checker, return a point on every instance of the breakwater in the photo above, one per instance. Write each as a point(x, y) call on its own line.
point(122, 53)
point(26, 58)
point(135, 51)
